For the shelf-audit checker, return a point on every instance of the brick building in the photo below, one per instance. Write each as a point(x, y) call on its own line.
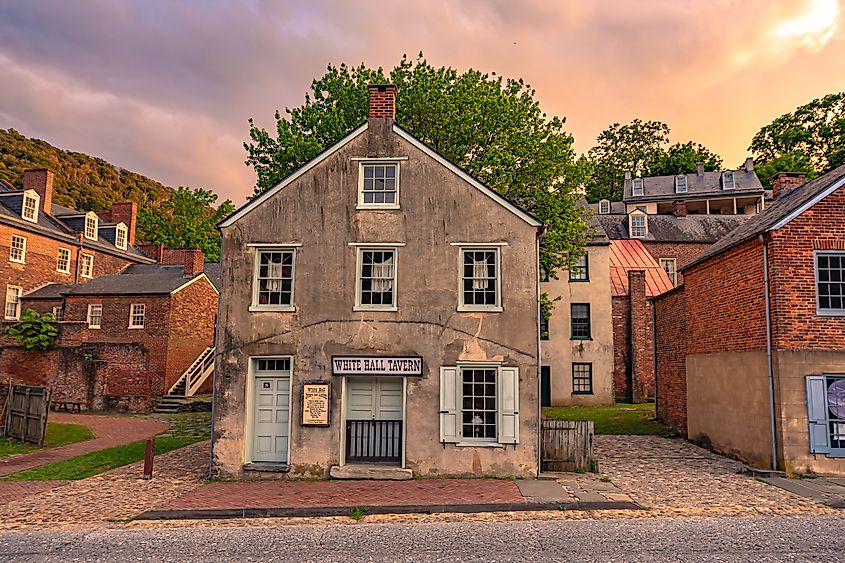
point(755, 364)
point(41, 242)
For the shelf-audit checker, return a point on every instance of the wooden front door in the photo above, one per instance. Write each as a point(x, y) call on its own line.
point(271, 419)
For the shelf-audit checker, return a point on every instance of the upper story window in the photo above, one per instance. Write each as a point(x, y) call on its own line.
point(670, 266)
point(137, 314)
point(544, 328)
point(681, 184)
point(120, 236)
point(87, 270)
point(580, 321)
point(638, 225)
point(604, 207)
point(480, 280)
point(95, 315)
point(30, 206)
point(727, 180)
point(63, 261)
point(637, 187)
point(379, 185)
point(830, 283)
point(91, 224)
point(17, 250)
point(12, 311)
point(581, 270)
point(273, 282)
point(376, 279)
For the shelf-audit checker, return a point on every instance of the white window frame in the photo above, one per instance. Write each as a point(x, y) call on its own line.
point(121, 231)
point(20, 258)
point(132, 315)
point(255, 306)
point(86, 269)
point(92, 221)
point(58, 313)
point(378, 162)
point(18, 292)
point(359, 266)
point(604, 207)
point(32, 197)
point(827, 312)
point(725, 175)
point(66, 269)
point(89, 317)
point(462, 306)
point(644, 225)
point(637, 187)
point(678, 189)
point(671, 271)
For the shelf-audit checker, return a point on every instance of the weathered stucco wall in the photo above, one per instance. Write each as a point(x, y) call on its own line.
point(318, 210)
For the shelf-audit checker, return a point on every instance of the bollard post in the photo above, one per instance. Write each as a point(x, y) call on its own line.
point(148, 458)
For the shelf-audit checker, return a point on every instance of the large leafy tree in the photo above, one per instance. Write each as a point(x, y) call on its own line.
point(188, 219)
point(787, 162)
point(814, 133)
point(683, 158)
point(490, 126)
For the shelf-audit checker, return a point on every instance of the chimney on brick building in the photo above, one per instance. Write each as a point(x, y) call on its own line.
point(382, 101)
point(784, 182)
point(40, 180)
point(194, 261)
point(699, 169)
point(191, 259)
point(128, 214)
point(154, 251)
point(679, 208)
point(749, 164)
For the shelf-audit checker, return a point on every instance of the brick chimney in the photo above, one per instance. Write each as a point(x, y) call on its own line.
point(749, 164)
point(40, 180)
point(679, 208)
point(382, 101)
point(154, 251)
point(126, 212)
point(699, 169)
point(192, 259)
point(783, 182)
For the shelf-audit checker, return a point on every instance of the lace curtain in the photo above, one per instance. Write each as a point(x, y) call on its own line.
point(479, 274)
point(383, 275)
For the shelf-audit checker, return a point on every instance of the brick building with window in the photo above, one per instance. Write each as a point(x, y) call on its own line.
point(379, 305)
point(751, 349)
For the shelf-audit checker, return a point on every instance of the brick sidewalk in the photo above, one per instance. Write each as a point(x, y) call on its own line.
point(110, 431)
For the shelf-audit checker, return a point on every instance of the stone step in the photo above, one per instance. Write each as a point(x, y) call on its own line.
point(373, 472)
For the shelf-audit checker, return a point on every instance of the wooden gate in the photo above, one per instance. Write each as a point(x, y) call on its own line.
point(567, 445)
point(26, 413)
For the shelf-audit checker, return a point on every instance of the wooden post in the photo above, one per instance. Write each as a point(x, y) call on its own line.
point(148, 458)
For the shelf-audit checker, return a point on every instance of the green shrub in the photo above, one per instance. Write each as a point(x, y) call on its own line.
point(34, 331)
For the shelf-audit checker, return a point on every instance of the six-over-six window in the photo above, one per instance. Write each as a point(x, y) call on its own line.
point(830, 283)
point(376, 278)
point(480, 283)
point(379, 184)
point(274, 279)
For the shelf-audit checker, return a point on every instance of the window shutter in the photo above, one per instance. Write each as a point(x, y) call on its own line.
point(817, 414)
point(508, 405)
point(449, 429)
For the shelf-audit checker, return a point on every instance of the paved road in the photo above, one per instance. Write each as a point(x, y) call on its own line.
point(798, 538)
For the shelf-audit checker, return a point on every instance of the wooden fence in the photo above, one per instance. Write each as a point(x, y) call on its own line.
point(567, 445)
point(26, 413)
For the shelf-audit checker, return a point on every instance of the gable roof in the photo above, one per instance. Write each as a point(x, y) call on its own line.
point(669, 228)
point(503, 201)
point(626, 255)
point(703, 185)
point(781, 211)
point(136, 279)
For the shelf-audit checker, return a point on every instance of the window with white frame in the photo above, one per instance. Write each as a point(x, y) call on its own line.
point(681, 184)
point(479, 404)
point(95, 315)
point(830, 282)
point(17, 250)
point(727, 180)
point(63, 261)
point(379, 184)
point(30, 206)
point(137, 312)
point(480, 279)
point(637, 187)
point(91, 224)
point(638, 226)
point(582, 378)
point(120, 236)
point(478, 412)
point(376, 278)
point(58, 313)
point(604, 207)
point(826, 414)
point(87, 266)
point(670, 266)
point(12, 311)
point(274, 273)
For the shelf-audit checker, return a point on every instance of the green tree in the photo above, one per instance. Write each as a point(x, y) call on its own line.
point(490, 126)
point(815, 130)
point(787, 162)
point(187, 219)
point(683, 158)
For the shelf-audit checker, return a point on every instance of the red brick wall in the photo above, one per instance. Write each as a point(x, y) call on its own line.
point(642, 352)
point(621, 310)
point(683, 252)
point(192, 314)
point(670, 332)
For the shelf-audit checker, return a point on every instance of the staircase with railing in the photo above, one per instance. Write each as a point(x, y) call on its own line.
point(194, 377)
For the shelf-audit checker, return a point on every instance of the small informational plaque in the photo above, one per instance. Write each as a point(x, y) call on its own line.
point(316, 401)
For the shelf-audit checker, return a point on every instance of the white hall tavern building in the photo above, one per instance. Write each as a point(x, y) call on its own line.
point(378, 317)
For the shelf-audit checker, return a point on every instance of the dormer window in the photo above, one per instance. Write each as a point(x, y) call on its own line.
point(728, 180)
point(91, 223)
point(637, 187)
point(29, 211)
point(604, 207)
point(120, 232)
point(680, 184)
point(638, 225)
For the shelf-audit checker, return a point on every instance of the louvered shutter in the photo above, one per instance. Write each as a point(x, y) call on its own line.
point(449, 428)
point(508, 405)
point(817, 414)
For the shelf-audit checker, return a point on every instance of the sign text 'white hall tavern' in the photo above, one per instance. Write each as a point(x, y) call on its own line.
point(396, 297)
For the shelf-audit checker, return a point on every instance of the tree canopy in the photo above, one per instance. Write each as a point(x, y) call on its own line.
point(490, 126)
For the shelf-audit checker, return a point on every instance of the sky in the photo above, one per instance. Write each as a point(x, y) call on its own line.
point(165, 88)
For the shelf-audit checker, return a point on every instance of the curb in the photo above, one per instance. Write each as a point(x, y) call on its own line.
point(323, 511)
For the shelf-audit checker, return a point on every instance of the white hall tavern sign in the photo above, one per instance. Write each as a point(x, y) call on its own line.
point(376, 365)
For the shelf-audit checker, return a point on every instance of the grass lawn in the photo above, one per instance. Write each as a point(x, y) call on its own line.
point(57, 435)
point(621, 418)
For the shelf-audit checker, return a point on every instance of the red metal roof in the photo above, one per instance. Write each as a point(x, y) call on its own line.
point(630, 254)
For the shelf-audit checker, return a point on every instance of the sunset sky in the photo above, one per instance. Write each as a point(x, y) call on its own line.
point(165, 88)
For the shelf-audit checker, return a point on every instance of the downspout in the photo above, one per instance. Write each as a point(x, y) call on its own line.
point(654, 350)
point(540, 233)
point(78, 260)
point(765, 246)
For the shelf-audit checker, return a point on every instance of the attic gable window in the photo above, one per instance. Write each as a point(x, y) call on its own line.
point(91, 224)
point(637, 187)
point(728, 180)
point(378, 185)
point(681, 184)
point(604, 207)
point(637, 225)
point(120, 233)
point(30, 206)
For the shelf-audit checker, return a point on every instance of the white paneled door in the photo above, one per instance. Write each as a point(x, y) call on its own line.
point(271, 419)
